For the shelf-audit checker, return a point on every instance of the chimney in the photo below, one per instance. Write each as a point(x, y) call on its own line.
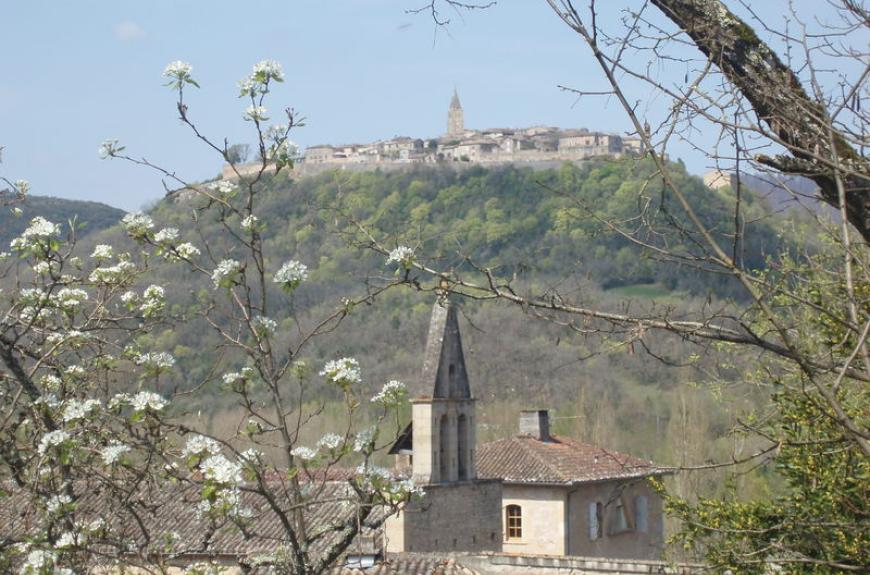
point(535, 423)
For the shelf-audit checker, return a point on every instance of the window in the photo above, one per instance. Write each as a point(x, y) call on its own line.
point(641, 514)
point(621, 523)
point(443, 438)
point(596, 520)
point(514, 521)
point(462, 446)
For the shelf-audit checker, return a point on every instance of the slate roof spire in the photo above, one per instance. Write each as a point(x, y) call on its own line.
point(443, 361)
point(454, 102)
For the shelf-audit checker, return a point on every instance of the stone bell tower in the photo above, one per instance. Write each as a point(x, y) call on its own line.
point(455, 120)
point(443, 423)
point(459, 512)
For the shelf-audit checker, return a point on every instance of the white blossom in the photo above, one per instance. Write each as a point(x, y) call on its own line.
point(76, 409)
point(32, 297)
point(55, 502)
point(343, 372)
point(330, 441)
point(177, 68)
point(225, 273)
point(221, 470)
point(264, 326)
point(250, 456)
point(22, 187)
point(304, 453)
point(391, 394)
point(109, 148)
point(363, 440)
point(402, 255)
point(129, 298)
point(257, 83)
point(153, 301)
point(199, 444)
point(70, 298)
point(147, 400)
point(374, 477)
point(50, 381)
point(102, 252)
point(116, 274)
point(38, 562)
point(249, 223)
point(269, 68)
point(291, 274)
point(37, 233)
point(113, 452)
point(156, 361)
point(75, 371)
point(232, 377)
point(137, 224)
point(256, 113)
point(223, 188)
point(52, 439)
point(166, 236)
point(68, 539)
point(186, 251)
point(16, 211)
point(178, 73)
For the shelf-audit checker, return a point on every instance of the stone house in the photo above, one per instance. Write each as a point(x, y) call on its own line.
point(532, 494)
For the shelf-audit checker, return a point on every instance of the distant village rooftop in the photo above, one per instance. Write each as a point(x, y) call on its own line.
point(534, 145)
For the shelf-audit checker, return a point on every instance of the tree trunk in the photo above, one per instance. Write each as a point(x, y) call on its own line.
point(802, 124)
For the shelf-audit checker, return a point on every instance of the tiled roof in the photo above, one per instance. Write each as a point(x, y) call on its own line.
point(172, 511)
point(561, 460)
point(410, 564)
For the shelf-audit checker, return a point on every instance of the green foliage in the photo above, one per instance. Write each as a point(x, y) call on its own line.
point(819, 521)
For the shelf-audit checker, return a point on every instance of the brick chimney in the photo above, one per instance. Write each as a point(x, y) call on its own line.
point(535, 423)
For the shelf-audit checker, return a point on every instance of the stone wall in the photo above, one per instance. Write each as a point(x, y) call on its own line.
point(502, 564)
point(630, 542)
point(449, 518)
point(543, 519)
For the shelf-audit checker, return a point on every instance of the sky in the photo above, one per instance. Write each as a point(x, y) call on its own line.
point(77, 73)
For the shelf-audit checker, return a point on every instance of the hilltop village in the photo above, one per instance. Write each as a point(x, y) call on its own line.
point(539, 146)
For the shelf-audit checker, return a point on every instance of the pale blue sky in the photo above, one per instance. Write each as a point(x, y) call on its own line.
point(76, 73)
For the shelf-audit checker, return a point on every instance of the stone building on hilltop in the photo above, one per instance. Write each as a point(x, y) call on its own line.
point(536, 146)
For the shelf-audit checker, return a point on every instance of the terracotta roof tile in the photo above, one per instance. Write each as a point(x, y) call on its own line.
point(525, 459)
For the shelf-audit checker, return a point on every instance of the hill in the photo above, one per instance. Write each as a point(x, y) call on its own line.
point(542, 227)
point(92, 216)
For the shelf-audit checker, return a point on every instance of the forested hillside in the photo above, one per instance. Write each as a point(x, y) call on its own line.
point(537, 226)
point(91, 216)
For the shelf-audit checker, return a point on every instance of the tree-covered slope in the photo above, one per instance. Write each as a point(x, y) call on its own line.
point(91, 216)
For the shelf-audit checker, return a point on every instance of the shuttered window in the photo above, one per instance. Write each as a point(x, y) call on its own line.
point(641, 514)
point(596, 520)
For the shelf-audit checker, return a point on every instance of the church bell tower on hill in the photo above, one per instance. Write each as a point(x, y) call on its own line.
point(455, 120)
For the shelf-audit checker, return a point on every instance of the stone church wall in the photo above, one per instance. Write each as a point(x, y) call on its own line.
point(463, 517)
point(635, 541)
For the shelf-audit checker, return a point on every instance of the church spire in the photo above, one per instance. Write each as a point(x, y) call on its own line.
point(443, 361)
point(455, 119)
point(454, 102)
